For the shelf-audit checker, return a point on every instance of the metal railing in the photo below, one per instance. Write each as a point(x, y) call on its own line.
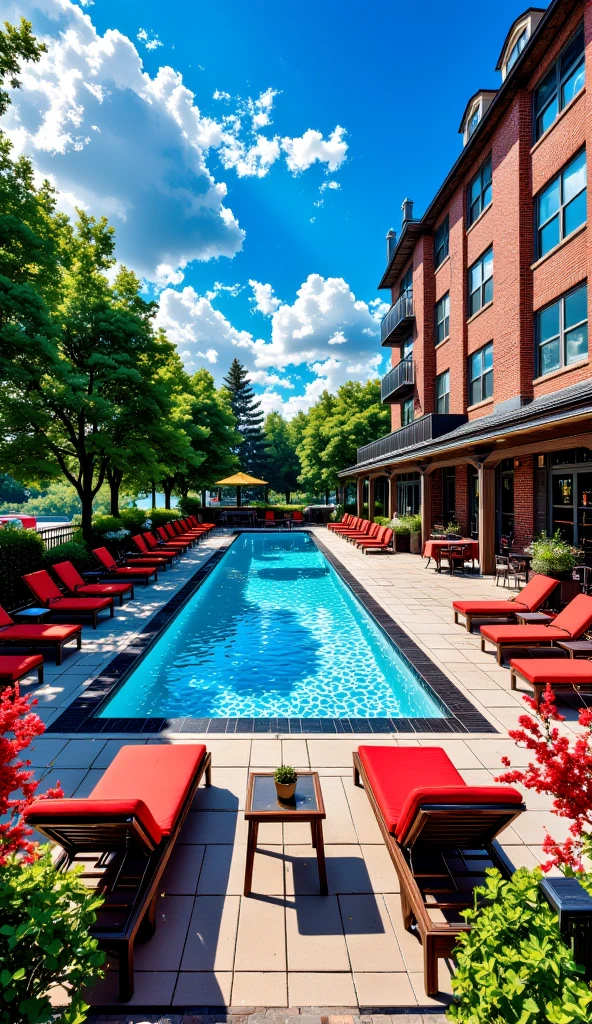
point(62, 533)
point(401, 376)
point(402, 310)
point(426, 428)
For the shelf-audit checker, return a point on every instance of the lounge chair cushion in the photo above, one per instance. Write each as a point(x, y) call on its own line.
point(523, 634)
point(38, 631)
point(530, 599)
point(462, 794)
point(553, 670)
point(45, 812)
point(13, 666)
point(395, 772)
point(158, 774)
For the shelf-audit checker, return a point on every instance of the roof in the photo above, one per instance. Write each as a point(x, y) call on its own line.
point(553, 20)
point(556, 406)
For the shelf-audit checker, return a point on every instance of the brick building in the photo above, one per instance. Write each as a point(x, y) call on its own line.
point(490, 387)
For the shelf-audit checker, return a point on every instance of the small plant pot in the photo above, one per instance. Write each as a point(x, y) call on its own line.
point(285, 791)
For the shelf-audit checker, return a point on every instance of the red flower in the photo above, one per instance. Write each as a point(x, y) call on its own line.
point(18, 726)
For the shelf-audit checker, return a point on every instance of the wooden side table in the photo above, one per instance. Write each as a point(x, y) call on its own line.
point(534, 618)
point(576, 648)
point(263, 804)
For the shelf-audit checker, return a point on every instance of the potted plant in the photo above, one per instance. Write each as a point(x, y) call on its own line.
point(554, 557)
point(415, 534)
point(285, 781)
point(400, 527)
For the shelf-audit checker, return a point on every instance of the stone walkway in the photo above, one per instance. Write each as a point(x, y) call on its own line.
point(286, 946)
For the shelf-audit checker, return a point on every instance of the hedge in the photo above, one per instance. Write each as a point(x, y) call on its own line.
point(73, 551)
point(21, 552)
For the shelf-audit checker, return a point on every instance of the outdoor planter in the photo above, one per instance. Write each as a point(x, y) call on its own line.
point(415, 543)
point(285, 779)
point(402, 541)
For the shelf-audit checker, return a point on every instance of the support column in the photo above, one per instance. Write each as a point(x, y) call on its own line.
point(487, 519)
point(371, 497)
point(391, 495)
point(359, 495)
point(426, 506)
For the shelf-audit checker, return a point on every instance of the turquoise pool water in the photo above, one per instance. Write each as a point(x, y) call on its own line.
point(273, 632)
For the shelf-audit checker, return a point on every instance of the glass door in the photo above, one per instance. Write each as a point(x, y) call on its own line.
point(563, 505)
point(584, 519)
point(506, 518)
point(474, 502)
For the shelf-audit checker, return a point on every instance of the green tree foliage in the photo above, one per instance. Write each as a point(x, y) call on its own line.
point(21, 552)
point(11, 491)
point(218, 438)
point(283, 464)
point(16, 45)
point(249, 421)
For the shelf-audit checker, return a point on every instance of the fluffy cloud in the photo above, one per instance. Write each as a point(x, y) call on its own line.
point(265, 301)
point(149, 39)
point(200, 331)
point(311, 146)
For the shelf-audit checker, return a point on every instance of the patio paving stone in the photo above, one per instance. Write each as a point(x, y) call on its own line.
point(369, 935)
point(314, 934)
point(335, 989)
point(260, 944)
point(265, 988)
point(377, 989)
point(211, 935)
point(208, 988)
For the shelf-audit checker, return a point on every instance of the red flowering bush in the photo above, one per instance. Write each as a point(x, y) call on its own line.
point(18, 726)
point(562, 768)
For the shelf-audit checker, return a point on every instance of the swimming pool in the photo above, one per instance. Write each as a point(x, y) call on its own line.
point(273, 632)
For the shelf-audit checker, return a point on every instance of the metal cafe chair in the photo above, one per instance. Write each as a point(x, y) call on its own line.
point(458, 554)
point(502, 569)
point(583, 574)
point(518, 570)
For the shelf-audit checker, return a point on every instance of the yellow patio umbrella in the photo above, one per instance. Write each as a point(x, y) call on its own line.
point(239, 480)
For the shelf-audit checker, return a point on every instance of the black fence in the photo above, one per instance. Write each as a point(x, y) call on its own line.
point(62, 533)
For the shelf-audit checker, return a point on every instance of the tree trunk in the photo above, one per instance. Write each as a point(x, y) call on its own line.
point(153, 494)
point(167, 488)
point(203, 498)
point(86, 499)
point(326, 497)
point(287, 497)
point(114, 477)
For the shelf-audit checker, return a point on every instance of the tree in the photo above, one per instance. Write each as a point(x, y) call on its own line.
point(16, 45)
point(212, 414)
point(310, 451)
point(283, 464)
point(249, 420)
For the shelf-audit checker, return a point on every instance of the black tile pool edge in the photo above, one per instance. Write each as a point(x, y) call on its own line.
point(82, 715)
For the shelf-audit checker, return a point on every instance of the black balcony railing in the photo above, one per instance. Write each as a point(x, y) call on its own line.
point(397, 381)
point(397, 323)
point(426, 428)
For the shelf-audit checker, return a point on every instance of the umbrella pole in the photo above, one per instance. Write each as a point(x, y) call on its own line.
point(238, 497)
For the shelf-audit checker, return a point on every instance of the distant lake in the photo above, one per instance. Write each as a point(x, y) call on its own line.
point(147, 502)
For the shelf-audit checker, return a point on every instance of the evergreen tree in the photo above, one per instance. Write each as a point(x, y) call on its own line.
point(249, 420)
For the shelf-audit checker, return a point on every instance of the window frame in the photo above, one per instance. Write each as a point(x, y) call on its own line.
point(523, 34)
point(480, 377)
point(485, 184)
point(406, 286)
point(484, 301)
point(405, 405)
point(560, 81)
point(445, 244)
point(444, 322)
point(445, 395)
point(563, 332)
point(560, 212)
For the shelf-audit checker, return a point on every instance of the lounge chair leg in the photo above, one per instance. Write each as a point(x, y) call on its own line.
point(468, 623)
point(94, 620)
point(209, 773)
point(499, 654)
point(356, 776)
point(126, 973)
point(78, 643)
point(482, 643)
point(112, 608)
point(512, 679)
point(456, 618)
point(59, 653)
point(430, 967)
point(40, 675)
point(406, 912)
point(148, 925)
point(538, 692)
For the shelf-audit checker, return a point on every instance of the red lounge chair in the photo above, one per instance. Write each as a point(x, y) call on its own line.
point(176, 538)
point(347, 519)
point(361, 531)
point(193, 521)
point(130, 822)
point(71, 579)
point(14, 667)
point(383, 542)
point(158, 547)
point(45, 590)
point(269, 517)
point(298, 517)
point(370, 534)
point(439, 833)
point(160, 560)
point(173, 542)
point(39, 635)
point(183, 530)
point(351, 523)
point(138, 573)
point(530, 599)
point(568, 625)
point(560, 673)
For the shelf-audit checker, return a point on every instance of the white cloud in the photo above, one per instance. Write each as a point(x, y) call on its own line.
point(200, 331)
point(249, 160)
point(260, 109)
point(265, 301)
point(149, 39)
point(219, 95)
point(165, 274)
point(329, 184)
point(310, 147)
point(231, 289)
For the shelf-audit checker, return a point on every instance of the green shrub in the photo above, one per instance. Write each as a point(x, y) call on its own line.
point(407, 524)
point(337, 514)
point(285, 775)
point(45, 916)
point(133, 519)
point(382, 520)
point(21, 552)
point(189, 506)
point(553, 555)
point(73, 551)
point(160, 516)
point(277, 508)
point(513, 966)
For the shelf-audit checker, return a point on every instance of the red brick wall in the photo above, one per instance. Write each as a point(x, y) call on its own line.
point(523, 501)
point(436, 497)
point(462, 498)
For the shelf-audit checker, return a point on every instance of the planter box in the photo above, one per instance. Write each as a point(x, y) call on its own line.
point(415, 543)
point(402, 541)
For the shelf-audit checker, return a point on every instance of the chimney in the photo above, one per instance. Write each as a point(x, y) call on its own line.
point(407, 208)
point(391, 241)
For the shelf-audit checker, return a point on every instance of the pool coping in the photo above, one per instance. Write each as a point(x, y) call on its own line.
point(81, 716)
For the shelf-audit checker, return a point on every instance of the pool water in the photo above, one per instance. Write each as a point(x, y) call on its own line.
point(273, 632)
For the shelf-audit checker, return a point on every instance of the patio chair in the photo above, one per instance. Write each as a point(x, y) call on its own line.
point(157, 547)
point(357, 531)
point(193, 521)
point(124, 833)
point(161, 560)
point(530, 599)
point(457, 555)
point(49, 594)
point(138, 573)
point(74, 583)
point(583, 573)
point(14, 667)
point(172, 541)
point(39, 635)
point(345, 522)
point(502, 569)
point(298, 518)
point(354, 522)
point(575, 618)
point(559, 673)
point(382, 542)
point(269, 518)
point(195, 533)
point(176, 534)
point(517, 570)
point(370, 534)
point(439, 833)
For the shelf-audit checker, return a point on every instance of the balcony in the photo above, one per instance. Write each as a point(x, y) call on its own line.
point(426, 428)
point(397, 382)
point(398, 322)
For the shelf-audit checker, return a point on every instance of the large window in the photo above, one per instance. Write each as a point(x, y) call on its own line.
point(565, 79)
point(441, 237)
point(481, 374)
point(443, 318)
point(406, 288)
point(481, 282)
point(561, 207)
point(562, 331)
point(443, 392)
point(407, 412)
point(479, 195)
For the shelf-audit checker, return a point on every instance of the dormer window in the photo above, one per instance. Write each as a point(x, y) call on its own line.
point(517, 38)
point(475, 111)
point(517, 49)
point(474, 119)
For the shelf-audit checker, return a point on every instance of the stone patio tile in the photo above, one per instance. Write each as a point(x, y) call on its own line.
point(207, 988)
point(223, 871)
point(520, 856)
point(42, 751)
point(339, 826)
point(183, 870)
point(260, 988)
point(229, 753)
point(69, 779)
point(211, 936)
point(490, 752)
point(227, 792)
point(369, 934)
point(331, 753)
point(314, 935)
point(260, 944)
point(499, 698)
point(393, 989)
point(365, 823)
point(78, 754)
point(111, 749)
point(321, 989)
point(444, 995)
point(532, 827)
point(459, 753)
point(295, 752)
point(266, 753)
point(382, 874)
point(409, 945)
point(88, 783)
point(213, 827)
point(163, 951)
point(151, 988)
point(346, 870)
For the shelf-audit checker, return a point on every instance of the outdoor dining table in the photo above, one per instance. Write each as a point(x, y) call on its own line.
point(432, 547)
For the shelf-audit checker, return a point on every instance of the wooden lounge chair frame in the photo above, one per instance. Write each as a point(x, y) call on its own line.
point(437, 825)
point(57, 645)
point(539, 688)
point(127, 872)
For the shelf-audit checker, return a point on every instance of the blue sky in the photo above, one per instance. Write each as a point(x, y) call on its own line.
point(207, 192)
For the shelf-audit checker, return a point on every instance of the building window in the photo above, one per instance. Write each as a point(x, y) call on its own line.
point(561, 207)
point(407, 348)
point(481, 282)
point(406, 288)
point(481, 374)
point(443, 392)
point(407, 412)
point(559, 86)
point(441, 243)
point(473, 119)
point(562, 331)
point(443, 318)
point(479, 192)
point(517, 49)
